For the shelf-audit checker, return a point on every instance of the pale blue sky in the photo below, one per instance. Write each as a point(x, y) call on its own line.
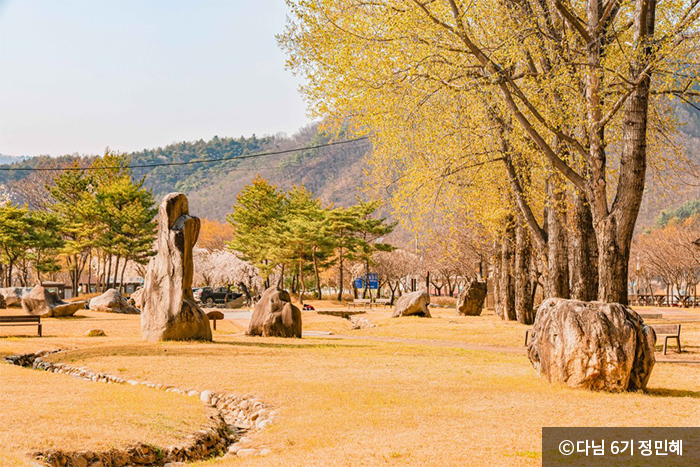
point(81, 75)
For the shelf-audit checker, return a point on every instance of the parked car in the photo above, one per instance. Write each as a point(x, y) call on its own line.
point(197, 292)
point(209, 296)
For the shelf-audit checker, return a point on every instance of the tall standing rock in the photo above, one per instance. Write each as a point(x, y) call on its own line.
point(592, 345)
point(169, 310)
point(471, 301)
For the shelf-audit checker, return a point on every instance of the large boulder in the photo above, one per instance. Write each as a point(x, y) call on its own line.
point(275, 316)
point(592, 345)
point(42, 302)
point(413, 304)
point(12, 295)
point(471, 300)
point(136, 298)
point(112, 301)
point(169, 311)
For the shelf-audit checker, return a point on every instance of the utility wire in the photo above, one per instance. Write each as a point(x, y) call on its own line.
point(167, 164)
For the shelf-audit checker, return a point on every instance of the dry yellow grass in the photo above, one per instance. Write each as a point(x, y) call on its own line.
point(42, 410)
point(364, 402)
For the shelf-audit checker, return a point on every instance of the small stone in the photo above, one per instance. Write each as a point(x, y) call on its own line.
point(265, 452)
point(246, 452)
point(263, 424)
point(234, 448)
point(244, 440)
point(205, 396)
point(193, 393)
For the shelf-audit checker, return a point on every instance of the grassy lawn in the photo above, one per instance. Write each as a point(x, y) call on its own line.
point(355, 400)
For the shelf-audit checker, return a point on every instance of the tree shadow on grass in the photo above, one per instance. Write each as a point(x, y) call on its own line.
point(300, 345)
point(663, 392)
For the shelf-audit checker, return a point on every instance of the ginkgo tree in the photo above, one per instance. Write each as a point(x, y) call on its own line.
point(550, 110)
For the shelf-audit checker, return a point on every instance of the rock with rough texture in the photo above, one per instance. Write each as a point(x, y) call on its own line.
point(95, 333)
point(47, 304)
point(169, 310)
point(412, 304)
point(12, 296)
point(275, 316)
point(236, 302)
point(2, 302)
point(592, 345)
point(471, 301)
point(112, 301)
point(136, 298)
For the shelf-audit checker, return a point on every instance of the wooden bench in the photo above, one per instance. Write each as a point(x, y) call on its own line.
point(21, 320)
point(363, 302)
point(383, 301)
point(668, 331)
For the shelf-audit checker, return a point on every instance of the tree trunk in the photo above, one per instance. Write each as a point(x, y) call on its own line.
point(89, 281)
point(280, 282)
point(496, 261)
point(116, 284)
point(584, 252)
point(246, 292)
point(316, 274)
point(340, 274)
point(557, 243)
point(507, 286)
point(122, 288)
point(302, 284)
point(108, 272)
point(523, 277)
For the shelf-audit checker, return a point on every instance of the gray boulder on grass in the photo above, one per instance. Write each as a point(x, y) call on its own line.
point(413, 304)
point(44, 303)
point(592, 345)
point(275, 316)
point(12, 296)
point(169, 310)
point(112, 301)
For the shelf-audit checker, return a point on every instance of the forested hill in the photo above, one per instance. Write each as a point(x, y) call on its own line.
point(334, 173)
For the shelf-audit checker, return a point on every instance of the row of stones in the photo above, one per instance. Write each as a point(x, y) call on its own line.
point(231, 417)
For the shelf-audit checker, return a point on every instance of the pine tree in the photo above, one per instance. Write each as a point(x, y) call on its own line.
point(257, 218)
point(74, 204)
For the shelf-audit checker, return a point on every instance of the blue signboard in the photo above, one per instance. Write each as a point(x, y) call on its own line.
point(373, 278)
point(373, 281)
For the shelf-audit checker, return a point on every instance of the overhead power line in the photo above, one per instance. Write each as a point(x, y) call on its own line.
point(198, 161)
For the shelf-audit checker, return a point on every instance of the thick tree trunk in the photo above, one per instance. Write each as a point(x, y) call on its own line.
point(613, 264)
point(557, 243)
point(523, 276)
point(584, 252)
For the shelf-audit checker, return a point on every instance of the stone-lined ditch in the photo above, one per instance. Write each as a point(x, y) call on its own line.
point(230, 418)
